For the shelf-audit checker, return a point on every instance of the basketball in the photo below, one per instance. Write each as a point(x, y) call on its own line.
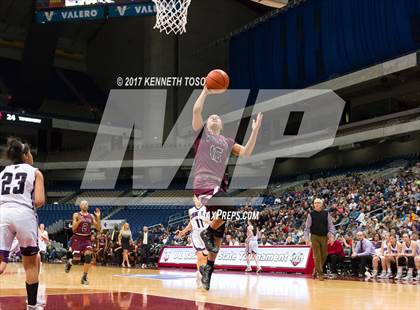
point(217, 79)
point(139, 177)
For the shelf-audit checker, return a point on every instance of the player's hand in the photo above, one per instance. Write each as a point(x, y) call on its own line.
point(256, 123)
point(212, 91)
point(97, 212)
point(308, 243)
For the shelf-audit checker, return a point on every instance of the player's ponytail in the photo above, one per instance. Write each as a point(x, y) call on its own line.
point(16, 149)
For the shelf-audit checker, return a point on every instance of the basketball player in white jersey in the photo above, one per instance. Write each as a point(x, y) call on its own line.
point(21, 193)
point(417, 258)
point(391, 254)
point(379, 257)
point(5, 260)
point(251, 246)
point(198, 222)
point(406, 258)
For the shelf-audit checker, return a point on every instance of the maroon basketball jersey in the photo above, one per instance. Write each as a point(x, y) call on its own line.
point(102, 241)
point(84, 228)
point(211, 155)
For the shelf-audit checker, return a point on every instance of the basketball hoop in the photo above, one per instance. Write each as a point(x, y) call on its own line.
point(171, 15)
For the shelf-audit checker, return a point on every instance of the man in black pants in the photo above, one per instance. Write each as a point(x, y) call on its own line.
point(145, 239)
point(362, 256)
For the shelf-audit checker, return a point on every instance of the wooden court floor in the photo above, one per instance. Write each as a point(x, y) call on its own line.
point(121, 288)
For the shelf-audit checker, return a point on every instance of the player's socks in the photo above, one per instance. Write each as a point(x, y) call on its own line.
point(206, 272)
point(68, 266)
point(208, 237)
point(32, 292)
point(198, 279)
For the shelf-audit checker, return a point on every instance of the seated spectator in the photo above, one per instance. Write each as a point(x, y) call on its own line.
point(289, 241)
point(347, 243)
point(362, 255)
point(101, 247)
point(230, 241)
point(335, 255)
point(116, 254)
point(417, 258)
point(406, 256)
point(377, 242)
point(43, 241)
point(391, 255)
point(264, 241)
point(379, 257)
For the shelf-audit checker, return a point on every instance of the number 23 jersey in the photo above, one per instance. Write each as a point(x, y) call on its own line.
point(17, 183)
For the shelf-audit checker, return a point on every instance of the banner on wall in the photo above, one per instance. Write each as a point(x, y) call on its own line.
point(70, 14)
point(272, 258)
point(109, 224)
point(139, 9)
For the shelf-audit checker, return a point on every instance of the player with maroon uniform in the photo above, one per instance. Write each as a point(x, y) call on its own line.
point(102, 245)
point(81, 243)
point(212, 150)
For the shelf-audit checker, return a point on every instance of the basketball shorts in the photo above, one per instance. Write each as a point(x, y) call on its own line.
point(252, 247)
point(197, 242)
point(80, 244)
point(20, 222)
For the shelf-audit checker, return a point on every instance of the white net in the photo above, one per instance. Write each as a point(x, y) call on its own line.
point(171, 15)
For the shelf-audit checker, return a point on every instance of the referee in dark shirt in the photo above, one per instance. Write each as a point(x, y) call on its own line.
point(319, 225)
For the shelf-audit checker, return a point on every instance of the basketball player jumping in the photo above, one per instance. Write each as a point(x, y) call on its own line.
point(212, 151)
point(198, 222)
point(22, 192)
point(81, 243)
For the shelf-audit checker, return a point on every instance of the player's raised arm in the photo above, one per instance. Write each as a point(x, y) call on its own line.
point(76, 221)
point(197, 118)
point(39, 189)
point(248, 148)
point(97, 219)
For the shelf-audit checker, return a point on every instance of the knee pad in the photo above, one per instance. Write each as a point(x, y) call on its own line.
point(76, 258)
point(4, 255)
point(88, 258)
point(29, 251)
point(69, 255)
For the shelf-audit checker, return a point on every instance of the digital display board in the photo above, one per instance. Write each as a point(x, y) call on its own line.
point(12, 118)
